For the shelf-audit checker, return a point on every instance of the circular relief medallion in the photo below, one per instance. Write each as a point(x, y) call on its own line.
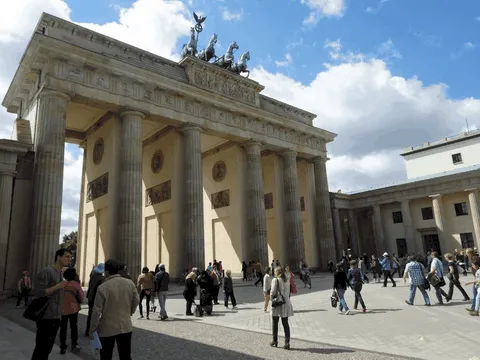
point(98, 149)
point(157, 161)
point(219, 171)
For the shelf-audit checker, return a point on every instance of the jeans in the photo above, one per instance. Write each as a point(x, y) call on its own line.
point(341, 296)
point(162, 299)
point(413, 290)
point(229, 294)
point(143, 294)
point(358, 297)
point(46, 334)
point(455, 282)
point(73, 319)
point(286, 328)
point(23, 295)
point(474, 296)
point(124, 346)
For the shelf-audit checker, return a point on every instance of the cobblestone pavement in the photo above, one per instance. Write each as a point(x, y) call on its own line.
point(389, 327)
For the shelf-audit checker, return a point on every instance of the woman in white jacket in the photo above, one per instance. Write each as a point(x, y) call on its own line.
point(267, 286)
point(281, 286)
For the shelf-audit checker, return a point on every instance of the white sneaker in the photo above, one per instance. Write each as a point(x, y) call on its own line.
point(347, 312)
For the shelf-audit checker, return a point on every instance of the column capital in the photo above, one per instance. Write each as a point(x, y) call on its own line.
point(7, 173)
point(320, 159)
point(252, 143)
point(132, 113)
point(54, 93)
point(189, 127)
point(436, 196)
point(471, 190)
point(289, 154)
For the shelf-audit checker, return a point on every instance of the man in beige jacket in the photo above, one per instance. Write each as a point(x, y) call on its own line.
point(115, 303)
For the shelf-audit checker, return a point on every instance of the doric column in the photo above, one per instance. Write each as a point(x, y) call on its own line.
point(338, 224)
point(81, 241)
point(194, 236)
point(323, 212)
point(48, 177)
point(293, 215)
point(437, 205)
point(408, 224)
point(353, 229)
point(6, 188)
point(130, 192)
point(379, 234)
point(473, 200)
point(256, 217)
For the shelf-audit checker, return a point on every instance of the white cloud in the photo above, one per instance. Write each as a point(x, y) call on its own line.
point(232, 16)
point(284, 63)
point(388, 50)
point(320, 8)
point(374, 10)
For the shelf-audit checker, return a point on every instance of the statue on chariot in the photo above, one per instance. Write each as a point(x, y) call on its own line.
point(226, 61)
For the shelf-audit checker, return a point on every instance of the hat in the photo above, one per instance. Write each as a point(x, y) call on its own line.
point(385, 254)
point(162, 266)
point(100, 268)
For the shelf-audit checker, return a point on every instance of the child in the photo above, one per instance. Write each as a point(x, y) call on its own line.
point(474, 311)
point(228, 290)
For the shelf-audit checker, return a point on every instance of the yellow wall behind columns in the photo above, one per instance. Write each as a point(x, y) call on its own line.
point(224, 227)
point(162, 236)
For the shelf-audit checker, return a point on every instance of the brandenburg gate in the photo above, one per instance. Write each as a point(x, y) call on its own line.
point(183, 162)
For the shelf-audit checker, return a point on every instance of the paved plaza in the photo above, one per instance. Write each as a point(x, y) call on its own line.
point(318, 332)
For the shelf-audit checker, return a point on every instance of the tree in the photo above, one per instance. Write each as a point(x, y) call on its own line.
point(69, 242)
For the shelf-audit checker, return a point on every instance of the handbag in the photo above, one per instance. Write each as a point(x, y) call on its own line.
point(334, 299)
point(278, 299)
point(36, 309)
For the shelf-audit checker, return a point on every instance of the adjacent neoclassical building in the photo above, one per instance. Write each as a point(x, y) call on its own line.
point(183, 162)
point(435, 208)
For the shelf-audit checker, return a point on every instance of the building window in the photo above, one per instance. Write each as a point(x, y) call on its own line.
point(402, 247)
point(302, 203)
point(427, 213)
point(457, 158)
point(467, 240)
point(461, 209)
point(397, 217)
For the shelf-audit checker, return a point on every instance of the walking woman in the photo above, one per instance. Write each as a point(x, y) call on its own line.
point(356, 279)
point(145, 286)
point(281, 288)
point(73, 296)
point(190, 292)
point(291, 279)
point(340, 283)
point(453, 277)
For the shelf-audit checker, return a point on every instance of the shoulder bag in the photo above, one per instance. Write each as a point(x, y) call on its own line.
point(278, 299)
point(36, 309)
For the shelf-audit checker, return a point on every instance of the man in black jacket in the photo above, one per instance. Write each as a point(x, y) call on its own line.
point(162, 280)
point(96, 279)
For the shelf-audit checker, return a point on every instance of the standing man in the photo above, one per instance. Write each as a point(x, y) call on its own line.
point(162, 280)
point(49, 283)
point(115, 303)
point(96, 279)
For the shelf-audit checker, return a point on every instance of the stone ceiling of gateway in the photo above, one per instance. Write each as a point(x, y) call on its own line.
point(67, 55)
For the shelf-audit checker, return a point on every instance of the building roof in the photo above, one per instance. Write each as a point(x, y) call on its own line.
point(442, 142)
point(420, 178)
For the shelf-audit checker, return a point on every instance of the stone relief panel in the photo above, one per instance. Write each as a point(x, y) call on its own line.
point(159, 193)
point(157, 162)
point(221, 199)
point(98, 150)
point(219, 171)
point(268, 201)
point(97, 188)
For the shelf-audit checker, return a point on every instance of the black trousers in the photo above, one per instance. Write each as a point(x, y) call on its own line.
point(45, 338)
point(124, 346)
point(455, 282)
point(286, 328)
point(190, 301)
point(216, 290)
point(143, 294)
point(358, 296)
point(89, 317)
point(23, 295)
point(232, 297)
point(73, 320)
point(259, 278)
point(386, 276)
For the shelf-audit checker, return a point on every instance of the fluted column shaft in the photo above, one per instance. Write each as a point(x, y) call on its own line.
point(48, 178)
point(323, 213)
point(338, 224)
point(194, 236)
point(438, 215)
point(256, 215)
point(130, 192)
point(353, 229)
point(6, 188)
point(293, 215)
point(379, 233)
point(473, 200)
point(408, 224)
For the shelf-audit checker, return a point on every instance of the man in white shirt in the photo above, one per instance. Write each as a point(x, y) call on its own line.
point(437, 268)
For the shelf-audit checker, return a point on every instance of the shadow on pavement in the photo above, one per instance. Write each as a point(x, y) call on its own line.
point(308, 311)
point(323, 351)
point(381, 311)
